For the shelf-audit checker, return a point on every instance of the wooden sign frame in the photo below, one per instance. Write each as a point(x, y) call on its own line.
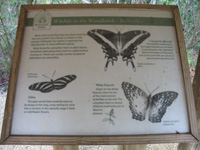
point(7, 138)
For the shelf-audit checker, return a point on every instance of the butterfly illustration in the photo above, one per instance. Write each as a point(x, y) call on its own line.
point(115, 44)
point(140, 102)
point(51, 85)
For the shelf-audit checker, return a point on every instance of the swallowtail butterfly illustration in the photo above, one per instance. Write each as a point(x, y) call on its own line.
point(115, 44)
point(140, 103)
point(51, 85)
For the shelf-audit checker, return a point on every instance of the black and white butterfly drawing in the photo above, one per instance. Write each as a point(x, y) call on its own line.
point(115, 44)
point(48, 86)
point(140, 103)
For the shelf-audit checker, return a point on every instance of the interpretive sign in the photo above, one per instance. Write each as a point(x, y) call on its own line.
point(99, 74)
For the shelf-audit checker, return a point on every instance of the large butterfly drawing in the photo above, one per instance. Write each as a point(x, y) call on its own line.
point(51, 85)
point(141, 104)
point(115, 44)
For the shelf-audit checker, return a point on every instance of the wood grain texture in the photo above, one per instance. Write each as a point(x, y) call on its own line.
point(13, 77)
point(186, 75)
point(120, 147)
point(99, 6)
point(99, 140)
point(196, 91)
point(132, 147)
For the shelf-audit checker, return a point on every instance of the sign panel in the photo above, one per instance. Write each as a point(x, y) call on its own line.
point(100, 72)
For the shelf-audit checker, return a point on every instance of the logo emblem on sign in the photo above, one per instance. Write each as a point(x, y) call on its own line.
point(42, 21)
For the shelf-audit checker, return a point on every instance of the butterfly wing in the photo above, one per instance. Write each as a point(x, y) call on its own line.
point(130, 49)
point(159, 105)
point(108, 40)
point(104, 34)
point(138, 100)
point(130, 35)
point(58, 84)
point(43, 87)
point(62, 82)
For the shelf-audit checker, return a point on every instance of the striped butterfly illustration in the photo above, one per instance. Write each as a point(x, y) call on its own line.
point(115, 44)
point(140, 103)
point(48, 86)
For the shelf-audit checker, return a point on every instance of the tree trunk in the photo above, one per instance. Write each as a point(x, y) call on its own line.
point(196, 92)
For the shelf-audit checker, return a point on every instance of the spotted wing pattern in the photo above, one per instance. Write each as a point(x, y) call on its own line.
point(138, 100)
point(159, 105)
point(57, 84)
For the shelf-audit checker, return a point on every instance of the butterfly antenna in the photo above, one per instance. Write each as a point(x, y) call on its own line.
point(115, 28)
point(46, 77)
point(121, 28)
point(155, 89)
point(53, 74)
point(147, 87)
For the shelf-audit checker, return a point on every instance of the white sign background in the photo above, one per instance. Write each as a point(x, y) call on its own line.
point(89, 69)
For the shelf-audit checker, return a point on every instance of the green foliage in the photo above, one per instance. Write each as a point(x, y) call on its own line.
point(9, 12)
point(10, 9)
point(192, 57)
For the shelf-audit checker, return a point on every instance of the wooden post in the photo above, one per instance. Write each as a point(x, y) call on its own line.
point(120, 147)
point(196, 91)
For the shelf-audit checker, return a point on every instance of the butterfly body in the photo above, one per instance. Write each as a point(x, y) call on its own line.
point(140, 103)
point(53, 86)
point(115, 44)
point(119, 43)
point(57, 84)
